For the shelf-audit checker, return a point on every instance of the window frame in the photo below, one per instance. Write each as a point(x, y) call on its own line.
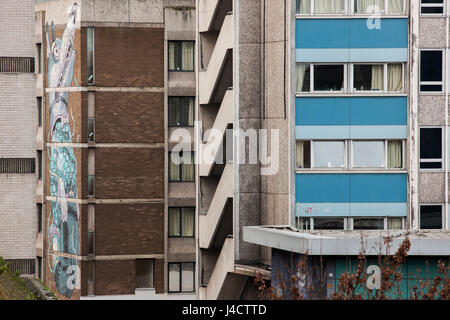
point(430, 83)
point(313, 164)
point(432, 5)
point(312, 77)
point(180, 167)
point(349, 9)
point(180, 222)
point(180, 276)
point(153, 274)
point(178, 108)
point(90, 83)
point(443, 150)
point(180, 56)
point(442, 215)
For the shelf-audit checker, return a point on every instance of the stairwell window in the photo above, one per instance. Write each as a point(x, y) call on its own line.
point(91, 129)
point(181, 222)
point(181, 277)
point(181, 167)
point(90, 55)
point(181, 55)
point(431, 70)
point(431, 155)
point(39, 109)
point(181, 111)
point(432, 7)
point(431, 217)
point(144, 273)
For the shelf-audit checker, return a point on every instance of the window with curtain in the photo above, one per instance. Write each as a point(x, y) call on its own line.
point(181, 222)
point(367, 77)
point(329, 6)
point(303, 6)
point(395, 77)
point(396, 6)
point(395, 154)
point(329, 154)
point(183, 171)
point(394, 223)
point(303, 159)
point(181, 55)
point(369, 6)
point(181, 277)
point(303, 77)
point(181, 111)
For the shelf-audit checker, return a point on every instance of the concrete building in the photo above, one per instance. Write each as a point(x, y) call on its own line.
point(114, 70)
point(368, 137)
point(18, 121)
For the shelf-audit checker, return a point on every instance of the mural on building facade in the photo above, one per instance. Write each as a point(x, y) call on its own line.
point(65, 212)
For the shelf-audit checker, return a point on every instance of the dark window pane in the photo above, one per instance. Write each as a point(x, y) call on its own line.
point(436, 10)
point(328, 223)
point(430, 143)
point(307, 154)
point(368, 224)
point(173, 112)
point(90, 242)
point(430, 217)
point(431, 66)
point(435, 87)
point(431, 165)
point(328, 77)
point(144, 273)
point(362, 77)
point(91, 129)
point(432, 1)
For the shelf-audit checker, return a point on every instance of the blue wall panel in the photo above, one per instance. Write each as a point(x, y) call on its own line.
point(377, 188)
point(322, 188)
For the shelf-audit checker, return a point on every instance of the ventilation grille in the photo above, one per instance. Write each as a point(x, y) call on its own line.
point(12, 165)
point(16, 64)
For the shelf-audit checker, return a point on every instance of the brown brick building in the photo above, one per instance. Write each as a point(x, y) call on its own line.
point(108, 83)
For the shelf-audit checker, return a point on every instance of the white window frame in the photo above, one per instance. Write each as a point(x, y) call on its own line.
point(385, 78)
point(430, 83)
point(442, 214)
point(432, 5)
point(311, 85)
point(442, 150)
point(385, 168)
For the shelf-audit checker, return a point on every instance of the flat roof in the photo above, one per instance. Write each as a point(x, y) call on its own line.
point(348, 242)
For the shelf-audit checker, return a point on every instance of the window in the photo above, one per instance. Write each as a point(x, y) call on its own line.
point(39, 56)
point(368, 223)
point(91, 242)
point(144, 273)
point(91, 272)
point(382, 78)
point(90, 56)
point(303, 223)
point(359, 6)
point(39, 263)
point(303, 154)
point(181, 167)
point(181, 222)
point(91, 130)
point(40, 165)
point(91, 185)
point(328, 223)
point(370, 7)
point(431, 148)
point(430, 217)
point(181, 277)
point(432, 6)
point(431, 62)
point(382, 154)
point(328, 77)
point(368, 154)
point(18, 165)
point(181, 55)
point(329, 154)
point(181, 111)
point(394, 223)
point(321, 6)
point(16, 65)
point(39, 217)
point(39, 108)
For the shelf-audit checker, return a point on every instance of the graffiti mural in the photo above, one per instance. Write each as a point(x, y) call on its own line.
point(65, 212)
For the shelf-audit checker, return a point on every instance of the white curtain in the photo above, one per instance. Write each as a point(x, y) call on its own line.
point(304, 6)
point(329, 6)
point(394, 223)
point(174, 222)
point(395, 77)
point(395, 154)
point(369, 6)
point(191, 112)
point(300, 161)
point(188, 55)
point(174, 171)
point(188, 222)
point(377, 77)
point(174, 277)
point(188, 170)
point(301, 71)
point(171, 56)
point(395, 6)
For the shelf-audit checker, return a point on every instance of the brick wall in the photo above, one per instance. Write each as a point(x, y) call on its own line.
point(129, 229)
point(114, 277)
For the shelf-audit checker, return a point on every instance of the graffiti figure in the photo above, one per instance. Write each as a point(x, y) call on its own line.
point(63, 219)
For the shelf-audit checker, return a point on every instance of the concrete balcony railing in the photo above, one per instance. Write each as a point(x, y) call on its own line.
point(209, 77)
point(223, 119)
point(207, 10)
point(224, 265)
point(209, 223)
